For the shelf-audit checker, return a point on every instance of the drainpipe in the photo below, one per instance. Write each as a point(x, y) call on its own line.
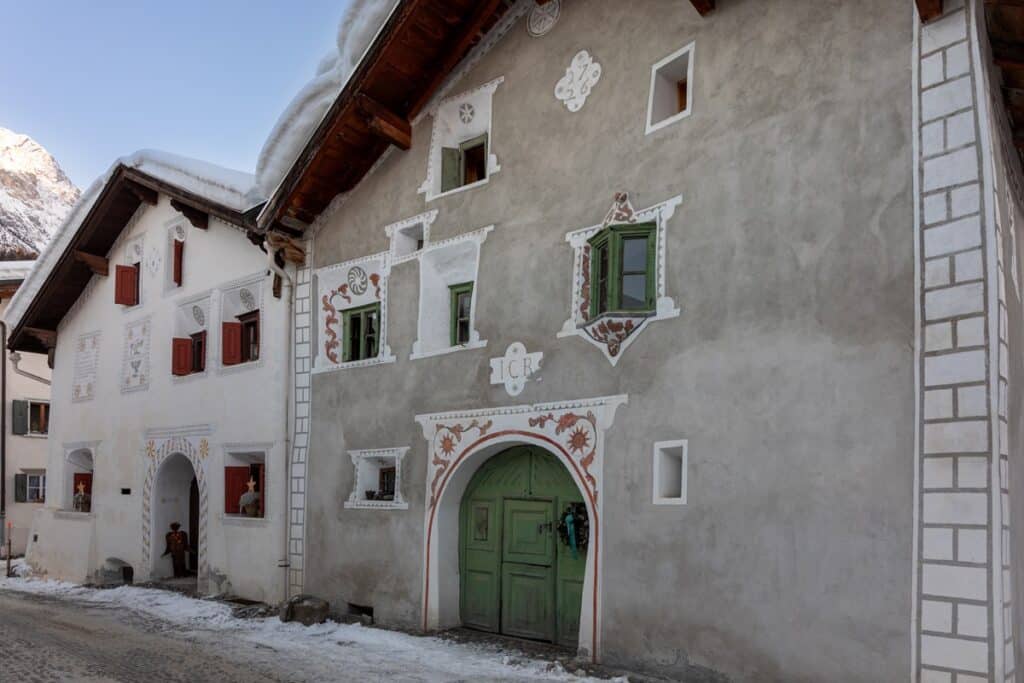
point(3, 438)
point(286, 296)
point(15, 359)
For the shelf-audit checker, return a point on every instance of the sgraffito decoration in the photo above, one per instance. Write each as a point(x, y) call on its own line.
point(135, 361)
point(87, 358)
point(515, 368)
point(349, 285)
point(542, 18)
point(193, 444)
point(572, 431)
point(580, 78)
point(613, 333)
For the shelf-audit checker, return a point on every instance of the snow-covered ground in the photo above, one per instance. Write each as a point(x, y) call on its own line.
point(329, 647)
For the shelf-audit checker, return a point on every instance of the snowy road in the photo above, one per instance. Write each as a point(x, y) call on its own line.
point(51, 631)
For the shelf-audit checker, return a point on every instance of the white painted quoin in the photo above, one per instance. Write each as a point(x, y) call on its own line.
point(144, 433)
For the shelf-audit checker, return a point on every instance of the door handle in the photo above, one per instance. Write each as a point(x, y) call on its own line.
point(542, 527)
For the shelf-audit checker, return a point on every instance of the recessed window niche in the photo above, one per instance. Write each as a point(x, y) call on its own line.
point(669, 470)
point(671, 93)
point(378, 479)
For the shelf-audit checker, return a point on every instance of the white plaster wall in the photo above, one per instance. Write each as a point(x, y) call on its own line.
point(24, 453)
point(242, 405)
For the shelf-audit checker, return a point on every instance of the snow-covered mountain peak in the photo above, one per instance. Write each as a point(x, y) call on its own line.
point(35, 195)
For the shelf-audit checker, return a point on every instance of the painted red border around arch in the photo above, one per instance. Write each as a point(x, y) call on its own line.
point(579, 478)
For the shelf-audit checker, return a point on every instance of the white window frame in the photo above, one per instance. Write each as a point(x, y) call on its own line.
point(655, 126)
point(35, 401)
point(40, 486)
point(367, 464)
point(241, 455)
point(659, 455)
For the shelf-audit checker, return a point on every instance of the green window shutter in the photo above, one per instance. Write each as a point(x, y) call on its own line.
point(451, 171)
point(652, 270)
point(346, 334)
point(19, 414)
point(20, 488)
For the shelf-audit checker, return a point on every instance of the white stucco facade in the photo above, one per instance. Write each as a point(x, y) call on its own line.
point(148, 433)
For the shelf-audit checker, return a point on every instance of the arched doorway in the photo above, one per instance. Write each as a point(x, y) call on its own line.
point(521, 575)
point(173, 502)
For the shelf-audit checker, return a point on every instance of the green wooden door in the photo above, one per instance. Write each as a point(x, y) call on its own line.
point(517, 577)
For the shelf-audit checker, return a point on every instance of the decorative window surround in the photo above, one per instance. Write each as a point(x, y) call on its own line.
point(233, 301)
point(367, 464)
point(671, 67)
point(176, 231)
point(460, 118)
point(449, 262)
point(135, 252)
point(86, 371)
point(396, 233)
point(460, 441)
point(669, 472)
point(194, 315)
point(79, 457)
point(613, 333)
point(347, 285)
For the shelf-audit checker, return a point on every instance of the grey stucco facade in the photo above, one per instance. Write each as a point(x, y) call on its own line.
point(790, 369)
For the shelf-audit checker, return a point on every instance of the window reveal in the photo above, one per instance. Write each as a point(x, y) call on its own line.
point(38, 418)
point(461, 312)
point(36, 488)
point(188, 354)
point(240, 341)
point(465, 164)
point(244, 488)
point(362, 332)
point(622, 269)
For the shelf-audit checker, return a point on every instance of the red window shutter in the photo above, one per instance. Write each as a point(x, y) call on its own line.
point(263, 488)
point(85, 477)
point(236, 480)
point(179, 252)
point(231, 343)
point(126, 285)
point(181, 356)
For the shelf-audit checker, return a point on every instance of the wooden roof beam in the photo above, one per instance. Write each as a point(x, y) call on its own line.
point(929, 9)
point(197, 218)
point(704, 7)
point(145, 194)
point(1004, 3)
point(47, 337)
point(385, 123)
point(97, 264)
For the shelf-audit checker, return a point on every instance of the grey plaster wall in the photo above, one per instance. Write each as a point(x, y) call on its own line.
point(790, 369)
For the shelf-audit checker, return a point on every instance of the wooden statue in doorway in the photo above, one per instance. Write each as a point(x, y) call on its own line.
point(177, 546)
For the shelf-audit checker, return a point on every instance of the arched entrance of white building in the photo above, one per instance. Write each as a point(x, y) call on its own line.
point(175, 500)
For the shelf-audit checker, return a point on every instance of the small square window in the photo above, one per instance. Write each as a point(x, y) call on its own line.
point(669, 472)
point(245, 485)
point(250, 350)
point(671, 91)
point(465, 164)
point(409, 240)
point(36, 488)
point(378, 479)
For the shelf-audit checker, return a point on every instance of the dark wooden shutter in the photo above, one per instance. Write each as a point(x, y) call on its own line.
point(126, 285)
point(231, 343)
point(236, 481)
point(179, 252)
point(20, 488)
point(263, 488)
point(181, 356)
point(451, 173)
point(85, 477)
point(19, 414)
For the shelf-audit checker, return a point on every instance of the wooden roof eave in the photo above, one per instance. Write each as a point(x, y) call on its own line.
point(71, 266)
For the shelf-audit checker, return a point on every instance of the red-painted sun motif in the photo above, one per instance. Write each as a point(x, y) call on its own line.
point(447, 444)
point(579, 440)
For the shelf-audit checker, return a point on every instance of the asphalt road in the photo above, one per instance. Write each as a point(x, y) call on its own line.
point(43, 639)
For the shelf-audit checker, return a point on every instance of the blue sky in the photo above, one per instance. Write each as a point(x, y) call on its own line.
point(92, 81)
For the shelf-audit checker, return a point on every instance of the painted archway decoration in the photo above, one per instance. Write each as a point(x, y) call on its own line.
point(194, 444)
point(573, 431)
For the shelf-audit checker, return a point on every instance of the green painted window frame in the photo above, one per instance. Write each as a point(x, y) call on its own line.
point(363, 352)
point(453, 163)
point(454, 292)
point(610, 240)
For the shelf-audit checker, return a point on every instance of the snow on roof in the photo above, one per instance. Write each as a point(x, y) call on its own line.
point(227, 187)
point(15, 270)
point(359, 27)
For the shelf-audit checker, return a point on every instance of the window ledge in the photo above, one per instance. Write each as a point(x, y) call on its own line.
point(376, 505)
point(71, 514)
point(379, 360)
point(242, 520)
point(664, 123)
point(179, 379)
point(461, 188)
point(239, 367)
point(612, 315)
point(33, 436)
point(669, 501)
point(479, 344)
